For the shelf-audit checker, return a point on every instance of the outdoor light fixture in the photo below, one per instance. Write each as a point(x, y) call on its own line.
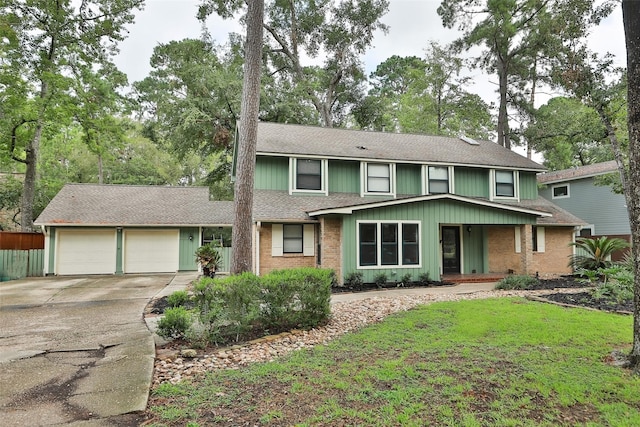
point(468, 229)
point(190, 236)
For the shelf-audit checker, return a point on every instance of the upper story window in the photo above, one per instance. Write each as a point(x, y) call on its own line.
point(504, 184)
point(439, 179)
point(378, 178)
point(560, 191)
point(308, 175)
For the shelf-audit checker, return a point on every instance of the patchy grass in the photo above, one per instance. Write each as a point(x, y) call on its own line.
point(499, 362)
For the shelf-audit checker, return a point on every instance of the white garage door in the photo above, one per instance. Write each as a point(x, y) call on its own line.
point(151, 251)
point(86, 252)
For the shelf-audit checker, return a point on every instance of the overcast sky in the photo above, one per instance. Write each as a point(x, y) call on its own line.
point(412, 23)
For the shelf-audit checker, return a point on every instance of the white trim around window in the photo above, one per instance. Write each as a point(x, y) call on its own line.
point(503, 186)
point(377, 179)
point(295, 239)
point(434, 180)
point(560, 191)
point(388, 244)
point(305, 181)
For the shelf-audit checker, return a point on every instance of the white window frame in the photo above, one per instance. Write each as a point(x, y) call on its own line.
point(364, 175)
point(516, 185)
point(277, 241)
point(425, 178)
point(553, 194)
point(293, 176)
point(379, 264)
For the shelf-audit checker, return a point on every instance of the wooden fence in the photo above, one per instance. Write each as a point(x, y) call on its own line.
point(18, 264)
point(21, 241)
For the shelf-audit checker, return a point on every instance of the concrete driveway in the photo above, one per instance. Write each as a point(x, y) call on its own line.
point(76, 350)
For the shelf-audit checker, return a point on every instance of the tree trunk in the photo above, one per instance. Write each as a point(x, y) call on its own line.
point(30, 177)
point(248, 133)
point(100, 172)
point(503, 124)
point(631, 20)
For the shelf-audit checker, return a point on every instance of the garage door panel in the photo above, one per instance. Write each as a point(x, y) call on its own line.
point(151, 251)
point(86, 252)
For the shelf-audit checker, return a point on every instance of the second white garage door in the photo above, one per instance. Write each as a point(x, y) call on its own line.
point(151, 251)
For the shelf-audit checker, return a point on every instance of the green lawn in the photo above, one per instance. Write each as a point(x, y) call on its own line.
point(498, 362)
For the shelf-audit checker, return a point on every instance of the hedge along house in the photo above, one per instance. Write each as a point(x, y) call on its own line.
point(398, 204)
point(117, 229)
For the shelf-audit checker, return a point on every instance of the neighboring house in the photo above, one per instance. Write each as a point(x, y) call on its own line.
point(115, 229)
point(575, 190)
point(376, 202)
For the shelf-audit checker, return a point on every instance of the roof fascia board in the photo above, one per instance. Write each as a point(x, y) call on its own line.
point(380, 160)
point(67, 224)
point(348, 210)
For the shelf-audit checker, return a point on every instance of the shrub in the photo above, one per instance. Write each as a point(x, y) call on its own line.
point(175, 323)
point(517, 282)
point(406, 279)
point(244, 306)
point(424, 278)
point(617, 285)
point(592, 254)
point(354, 280)
point(380, 279)
point(178, 299)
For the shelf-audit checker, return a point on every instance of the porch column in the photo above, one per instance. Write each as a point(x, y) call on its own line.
point(526, 244)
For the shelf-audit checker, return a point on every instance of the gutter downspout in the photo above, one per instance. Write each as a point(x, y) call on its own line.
point(256, 253)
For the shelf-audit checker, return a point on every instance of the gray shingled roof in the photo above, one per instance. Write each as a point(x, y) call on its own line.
point(129, 205)
point(578, 172)
point(272, 205)
point(559, 216)
point(286, 139)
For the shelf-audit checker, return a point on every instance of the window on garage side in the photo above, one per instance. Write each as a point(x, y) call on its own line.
point(388, 244)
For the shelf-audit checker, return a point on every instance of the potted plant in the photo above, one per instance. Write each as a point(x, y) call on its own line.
point(209, 259)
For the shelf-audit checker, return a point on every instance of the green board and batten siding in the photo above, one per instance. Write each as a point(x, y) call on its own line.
point(272, 173)
point(471, 182)
point(431, 216)
point(528, 185)
point(408, 179)
point(344, 176)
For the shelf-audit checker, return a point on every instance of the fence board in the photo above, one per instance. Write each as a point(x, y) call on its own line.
point(21, 241)
point(16, 264)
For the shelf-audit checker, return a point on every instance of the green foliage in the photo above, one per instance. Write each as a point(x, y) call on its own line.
point(406, 279)
point(209, 257)
point(242, 306)
point(178, 298)
point(616, 286)
point(592, 254)
point(380, 279)
point(354, 280)
point(424, 278)
point(517, 282)
point(175, 323)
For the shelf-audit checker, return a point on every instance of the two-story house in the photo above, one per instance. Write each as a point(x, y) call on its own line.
point(577, 191)
point(391, 203)
point(352, 201)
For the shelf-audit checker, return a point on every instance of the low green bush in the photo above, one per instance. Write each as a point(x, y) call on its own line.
point(406, 279)
point(516, 282)
point(244, 306)
point(178, 299)
point(354, 280)
point(424, 278)
point(380, 279)
point(616, 286)
point(175, 323)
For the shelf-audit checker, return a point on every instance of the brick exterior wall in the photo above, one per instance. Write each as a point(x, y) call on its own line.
point(502, 251)
point(269, 263)
point(555, 258)
point(553, 261)
point(331, 244)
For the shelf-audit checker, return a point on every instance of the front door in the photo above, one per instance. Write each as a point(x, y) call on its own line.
point(451, 250)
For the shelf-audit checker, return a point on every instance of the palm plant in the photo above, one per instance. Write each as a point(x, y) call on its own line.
point(592, 254)
point(209, 258)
